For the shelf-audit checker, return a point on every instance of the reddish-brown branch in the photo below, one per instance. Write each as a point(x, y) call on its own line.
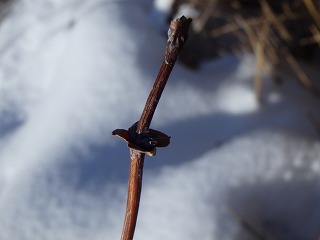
point(177, 35)
point(134, 192)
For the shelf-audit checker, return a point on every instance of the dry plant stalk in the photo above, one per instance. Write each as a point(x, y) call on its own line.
point(142, 140)
point(283, 34)
point(247, 226)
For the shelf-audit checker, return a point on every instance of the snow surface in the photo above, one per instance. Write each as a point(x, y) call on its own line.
point(72, 71)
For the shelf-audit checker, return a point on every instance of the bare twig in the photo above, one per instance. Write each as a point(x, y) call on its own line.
point(247, 226)
point(140, 138)
point(296, 68)
point(313, 11)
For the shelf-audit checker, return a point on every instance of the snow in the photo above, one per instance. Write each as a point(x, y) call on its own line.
point(73, 71)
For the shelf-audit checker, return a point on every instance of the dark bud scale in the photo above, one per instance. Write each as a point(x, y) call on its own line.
point(145, 142)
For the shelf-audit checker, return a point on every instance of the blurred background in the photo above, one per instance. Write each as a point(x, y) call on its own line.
point(241, 107)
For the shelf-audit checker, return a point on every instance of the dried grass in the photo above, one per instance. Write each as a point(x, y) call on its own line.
point(277, 31)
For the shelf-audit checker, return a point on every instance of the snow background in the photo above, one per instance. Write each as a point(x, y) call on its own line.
point(73, 70)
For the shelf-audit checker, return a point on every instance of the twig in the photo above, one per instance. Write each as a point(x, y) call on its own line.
point(247, 226)
point(313, 11)
point(140, 138)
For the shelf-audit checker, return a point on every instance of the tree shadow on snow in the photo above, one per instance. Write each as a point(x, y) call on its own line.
point(279, 210)
point(190, 139)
